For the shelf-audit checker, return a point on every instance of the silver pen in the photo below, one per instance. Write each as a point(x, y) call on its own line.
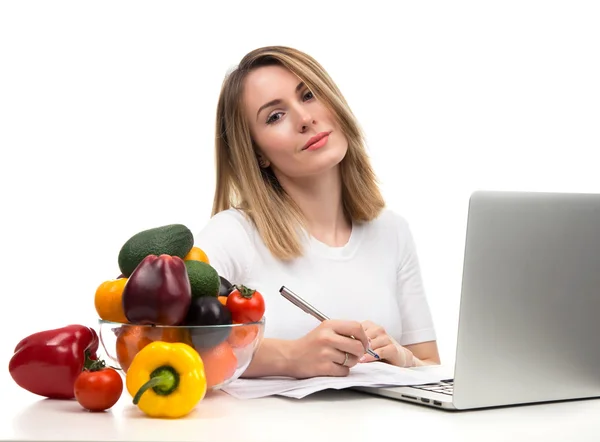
point(306, 307)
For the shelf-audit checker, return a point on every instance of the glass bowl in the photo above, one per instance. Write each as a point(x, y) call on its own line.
point(226, 350)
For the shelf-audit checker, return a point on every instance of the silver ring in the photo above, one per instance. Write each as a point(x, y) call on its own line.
point(345, 360)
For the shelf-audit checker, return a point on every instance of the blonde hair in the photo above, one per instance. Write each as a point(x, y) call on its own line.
point(241, 182)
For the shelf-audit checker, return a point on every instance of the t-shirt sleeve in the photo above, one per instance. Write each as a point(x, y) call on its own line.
point(227, 242)
point(417, 322)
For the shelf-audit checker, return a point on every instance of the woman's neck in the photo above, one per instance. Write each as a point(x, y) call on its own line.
point(320, 200)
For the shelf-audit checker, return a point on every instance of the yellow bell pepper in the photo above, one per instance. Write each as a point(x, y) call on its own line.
point(166, 379)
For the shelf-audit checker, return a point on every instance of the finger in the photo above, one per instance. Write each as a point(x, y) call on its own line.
point(344, 344)
point(329, 341)
point(350, 328)
point(367, 358)
point(334, 369)
point(380, 341)
point(386, 352)
point(349, 362)
point(367, 325)
point(372, 332)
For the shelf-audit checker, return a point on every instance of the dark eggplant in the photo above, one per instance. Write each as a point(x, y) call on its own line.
point(207, 311)
point(226, 287)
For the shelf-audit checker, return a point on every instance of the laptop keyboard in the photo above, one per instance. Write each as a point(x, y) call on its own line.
point(443, 387)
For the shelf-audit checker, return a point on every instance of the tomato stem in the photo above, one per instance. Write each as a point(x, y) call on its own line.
point(95, 364)
point(91, 364)
point(245, 292)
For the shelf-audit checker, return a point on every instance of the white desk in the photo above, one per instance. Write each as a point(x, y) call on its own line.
point(338, 416)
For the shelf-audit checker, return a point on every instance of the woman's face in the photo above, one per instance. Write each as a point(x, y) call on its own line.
point(296, 135)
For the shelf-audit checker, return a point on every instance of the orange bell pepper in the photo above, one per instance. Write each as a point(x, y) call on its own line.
point(131, 339)
point(108, 300)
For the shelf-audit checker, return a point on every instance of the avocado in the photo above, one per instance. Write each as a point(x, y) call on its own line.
point(172, 239)
point(204, 279)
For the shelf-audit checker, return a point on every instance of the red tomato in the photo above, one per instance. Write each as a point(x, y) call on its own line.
point(98, 389)
point(245, 304)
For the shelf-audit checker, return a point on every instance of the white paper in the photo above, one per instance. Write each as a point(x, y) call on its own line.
point(373, 374)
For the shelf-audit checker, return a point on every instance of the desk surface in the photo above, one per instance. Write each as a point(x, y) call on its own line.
point(329, 415)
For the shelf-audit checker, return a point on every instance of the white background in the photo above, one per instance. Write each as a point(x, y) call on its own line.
point(107, 116)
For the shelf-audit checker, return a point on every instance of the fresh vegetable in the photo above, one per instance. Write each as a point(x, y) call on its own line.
point(242, 335)
point(133, 338)
point(47, 363)
point(197, 254)
point(208, 311)
point(225, 287)
point(173, 239)
point(204, 279)
point(220, 363)
point(246, 305)
point(108, 300)
point(166, 379)
point(222, 299)
point(158, 291)
point(98, 387)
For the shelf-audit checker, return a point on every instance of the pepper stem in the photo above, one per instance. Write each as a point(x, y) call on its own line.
point(246, 292)
point(164, 380)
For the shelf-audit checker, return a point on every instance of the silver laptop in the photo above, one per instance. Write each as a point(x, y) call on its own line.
point(529, 321)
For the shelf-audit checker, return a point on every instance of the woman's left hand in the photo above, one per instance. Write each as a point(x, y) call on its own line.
point(386, 347)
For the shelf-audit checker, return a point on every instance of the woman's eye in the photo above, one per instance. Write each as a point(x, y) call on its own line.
point(272, 118)
point(277, 115)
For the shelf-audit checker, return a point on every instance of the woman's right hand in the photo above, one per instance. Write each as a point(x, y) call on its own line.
point(322, 352)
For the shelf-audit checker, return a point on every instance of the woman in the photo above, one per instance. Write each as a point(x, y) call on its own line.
point(297, 204)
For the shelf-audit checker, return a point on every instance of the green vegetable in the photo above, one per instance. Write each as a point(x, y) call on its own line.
point(173, 239)
point(204, 279)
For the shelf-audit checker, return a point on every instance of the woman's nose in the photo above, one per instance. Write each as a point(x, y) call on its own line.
point(305, 120)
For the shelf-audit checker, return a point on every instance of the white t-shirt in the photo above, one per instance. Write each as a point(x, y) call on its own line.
point(375, 276)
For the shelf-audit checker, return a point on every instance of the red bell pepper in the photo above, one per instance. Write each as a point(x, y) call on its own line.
point(47, 363)
point(158, 291)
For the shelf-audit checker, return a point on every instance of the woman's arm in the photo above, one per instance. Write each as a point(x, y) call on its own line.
point(327, 350)
point(425, 353)
point(417, 321)
point(417, 343)
point(271, 359)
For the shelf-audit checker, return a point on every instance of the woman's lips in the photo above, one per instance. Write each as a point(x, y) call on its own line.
point(317, 141)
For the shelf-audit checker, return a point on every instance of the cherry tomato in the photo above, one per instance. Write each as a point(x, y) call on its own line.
point(245, 304)
point(98, 388)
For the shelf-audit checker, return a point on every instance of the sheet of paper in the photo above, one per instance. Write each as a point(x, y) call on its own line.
point(374, 374)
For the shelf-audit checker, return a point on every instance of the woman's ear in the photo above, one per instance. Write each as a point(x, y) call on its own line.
point(262, 161)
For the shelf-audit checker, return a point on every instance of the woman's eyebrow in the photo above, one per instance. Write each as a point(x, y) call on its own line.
point(277, 100)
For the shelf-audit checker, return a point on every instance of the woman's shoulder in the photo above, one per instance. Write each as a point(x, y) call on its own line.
point(229, 229)
point(390, 229)
point(227, 238)
point(390, 220)
point(227, 220)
